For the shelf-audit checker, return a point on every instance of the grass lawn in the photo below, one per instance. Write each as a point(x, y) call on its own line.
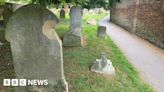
point(6, 64)
point(78, 60)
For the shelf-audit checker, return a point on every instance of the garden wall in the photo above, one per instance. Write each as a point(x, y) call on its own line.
point(145, 18)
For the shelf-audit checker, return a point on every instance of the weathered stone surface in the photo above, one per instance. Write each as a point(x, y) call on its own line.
point(91, 21)
point(74, 37)
point(85, 11)
point(103, 66)
point(72, 40)
point(16, 6)
point(76, 20)
point(142, 17)
point(36, 48)
point(99, 10)
point(62, 14)
point(101, 32)
point(91, 11)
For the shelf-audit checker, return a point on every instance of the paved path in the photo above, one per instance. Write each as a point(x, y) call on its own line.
point(148, 59)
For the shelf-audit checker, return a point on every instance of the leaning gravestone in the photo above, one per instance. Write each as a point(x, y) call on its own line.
point(62, 14)
point(74, 37)
point(36, 48)
point(101, 32)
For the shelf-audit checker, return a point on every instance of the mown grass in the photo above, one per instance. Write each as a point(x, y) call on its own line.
point(6, 63)
point(78, 60)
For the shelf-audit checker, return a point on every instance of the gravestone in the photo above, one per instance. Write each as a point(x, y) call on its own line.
point(103, 65)
point(91, 11)
point(7, 12)
point(16, 6)
point(85, 11)
point(101, 32)
point(36, 48)
point(62, 14)
point(99, 10)
point(74, 36)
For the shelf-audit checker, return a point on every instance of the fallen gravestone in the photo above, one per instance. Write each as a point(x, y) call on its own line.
point(62, 14)
point(74, 37)
point(36, 49)
point(103, 66)
point(91, 21)
point(101, 32)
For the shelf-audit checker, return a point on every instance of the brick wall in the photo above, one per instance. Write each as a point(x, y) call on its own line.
point(145, 18)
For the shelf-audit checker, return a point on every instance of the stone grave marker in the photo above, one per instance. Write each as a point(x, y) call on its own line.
point(74, 36)
point(16, 6)
point(62, 14)
point(103, 66)
point(85, 11)
point(36, 49)
point(101, 32)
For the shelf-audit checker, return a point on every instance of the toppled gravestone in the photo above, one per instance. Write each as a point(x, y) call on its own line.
point(103, 66)
point(62, 14)
point(74, 36)
point(36, 48)
point(101, 32)
point(92, 21)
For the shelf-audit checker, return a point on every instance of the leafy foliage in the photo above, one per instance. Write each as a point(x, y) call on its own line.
point(84, 3)
point(2, 2)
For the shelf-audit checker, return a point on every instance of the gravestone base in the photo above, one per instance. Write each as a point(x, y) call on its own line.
point(71, 40)
point(58, 86)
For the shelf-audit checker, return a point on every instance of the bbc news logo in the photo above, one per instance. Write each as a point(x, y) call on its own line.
point(24, 82)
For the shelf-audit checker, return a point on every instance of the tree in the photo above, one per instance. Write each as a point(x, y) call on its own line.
point(84, 3)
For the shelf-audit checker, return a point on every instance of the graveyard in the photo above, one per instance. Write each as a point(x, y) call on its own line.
point(69, 48)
